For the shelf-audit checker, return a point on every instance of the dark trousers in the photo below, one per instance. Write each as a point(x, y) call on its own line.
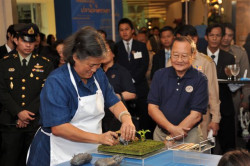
point(14, 148)
point(226, 134)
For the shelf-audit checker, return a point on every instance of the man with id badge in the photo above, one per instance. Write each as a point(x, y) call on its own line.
point(133, 55)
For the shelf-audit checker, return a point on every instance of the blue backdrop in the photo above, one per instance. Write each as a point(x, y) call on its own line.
point(72, 15)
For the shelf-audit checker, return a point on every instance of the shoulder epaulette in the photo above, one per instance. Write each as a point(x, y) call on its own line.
point(209, 58)
point(6, 57)
point(206, 57)
point(242, 48)
point(238, 47)
point(10, 56)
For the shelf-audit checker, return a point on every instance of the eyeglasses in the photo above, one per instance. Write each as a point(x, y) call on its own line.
point(182, 56)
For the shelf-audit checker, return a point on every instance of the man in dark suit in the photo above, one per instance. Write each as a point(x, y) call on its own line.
point(133, 55)
point(226, 134)
point(9, 46)
point(22, 76)
point(160, 59)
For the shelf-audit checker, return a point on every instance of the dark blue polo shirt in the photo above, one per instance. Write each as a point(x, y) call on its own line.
point(120, 78)
point(176, 96)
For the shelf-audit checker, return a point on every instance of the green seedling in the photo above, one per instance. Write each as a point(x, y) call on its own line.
point(142, 134)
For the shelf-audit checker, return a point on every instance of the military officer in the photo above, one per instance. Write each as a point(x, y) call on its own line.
point(241, 58)
point(205, 64)
point(22, 76)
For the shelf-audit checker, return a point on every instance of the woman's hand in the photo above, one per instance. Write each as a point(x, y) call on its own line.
point(128, 129)
point(109, 138)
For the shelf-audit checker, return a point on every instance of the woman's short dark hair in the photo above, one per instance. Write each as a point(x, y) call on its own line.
point(57, 42)
point(186, 30)
point(239, 157)
point(86, 42)
point(111, 45)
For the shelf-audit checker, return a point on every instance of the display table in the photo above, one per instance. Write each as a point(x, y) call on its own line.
point(164, 158)
point(232, 82)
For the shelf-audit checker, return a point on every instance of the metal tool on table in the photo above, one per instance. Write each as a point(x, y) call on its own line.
point(123, 141)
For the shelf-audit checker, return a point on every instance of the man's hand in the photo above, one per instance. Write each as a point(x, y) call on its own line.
point(179, 131)
point(25, 116)
point(20, 124)
point(214, 126)
point(244, 105)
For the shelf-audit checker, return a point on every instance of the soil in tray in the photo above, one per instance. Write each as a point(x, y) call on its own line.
point(138, 148)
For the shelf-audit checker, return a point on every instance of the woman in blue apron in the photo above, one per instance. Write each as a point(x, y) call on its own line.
point(72, 104)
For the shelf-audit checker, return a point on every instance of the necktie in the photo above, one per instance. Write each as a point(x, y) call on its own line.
point(213, 56)
point(24, 62)
point(128, 50)
point(167, 56)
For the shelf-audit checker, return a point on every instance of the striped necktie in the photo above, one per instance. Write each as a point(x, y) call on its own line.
point(128, 50)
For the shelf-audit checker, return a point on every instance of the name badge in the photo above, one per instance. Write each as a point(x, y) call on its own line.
point(137, 55)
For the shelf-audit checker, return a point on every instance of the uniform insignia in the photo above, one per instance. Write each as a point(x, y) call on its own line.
point(34, 56)
point(37, 78)
point(31, 75)
point(31, 31)
point(113, 76)
point(5, 57)
point(38, 70)
point(189, 89)
point(11, 69)
point(199, 68)
point(15, 56)
point(45, 58)
point(11, 78)
point(11, 85)
point(38, 66)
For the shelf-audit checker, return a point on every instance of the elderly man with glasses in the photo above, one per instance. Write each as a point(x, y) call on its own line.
point(179, 95)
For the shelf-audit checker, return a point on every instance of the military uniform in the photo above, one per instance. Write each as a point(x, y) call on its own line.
point(206, 65)
point(20, 87)
point(20, 90)
point(241, 58)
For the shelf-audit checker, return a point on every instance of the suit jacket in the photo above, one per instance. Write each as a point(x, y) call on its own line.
point(224, 59)
point(136, 66)
point(159, 61)
point(3, 51)
point(20, 89)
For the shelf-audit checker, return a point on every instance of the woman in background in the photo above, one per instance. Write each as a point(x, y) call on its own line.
point(121, 81)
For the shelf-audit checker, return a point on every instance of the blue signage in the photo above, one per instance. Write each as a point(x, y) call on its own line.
point(95, 13)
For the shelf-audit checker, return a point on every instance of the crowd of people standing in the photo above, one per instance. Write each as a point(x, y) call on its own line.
point(157, 81)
